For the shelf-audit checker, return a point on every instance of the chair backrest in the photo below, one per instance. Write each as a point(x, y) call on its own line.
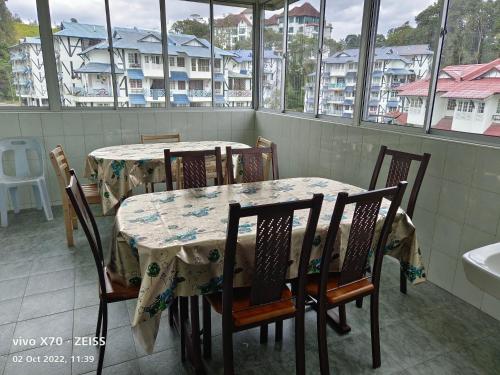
point(164, 138)
point(87, 221)
point(253, 163)
point(61, 167)
point(194, 167)
point(399, 170)
point(265, 143)
point(360, 241)
point(272, 249)
point(20, 147)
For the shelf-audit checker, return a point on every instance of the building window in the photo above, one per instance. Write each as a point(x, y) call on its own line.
point(171, 61)
point(459, 107)
point(471, 106)
point(480, 107)
point(134, 60)
point(172, 85)
point(452, 103)
point(156, 59)
point(193, 65)
point(180, 62)
point(203, 65)
point(135, 83)
point(182, 85)
point(146, 59)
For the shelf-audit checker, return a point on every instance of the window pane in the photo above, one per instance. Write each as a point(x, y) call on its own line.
point(273, 56)
point(189, 53)
point(234, 48)
point(138, 52)
point(403, 55)
point(340, 58)
point(468, 89)
point(82, 60)
point(22, 76)
point(303, 29)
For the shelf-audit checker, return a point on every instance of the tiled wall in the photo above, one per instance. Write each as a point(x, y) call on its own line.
point(82, 132)
point(459, 205)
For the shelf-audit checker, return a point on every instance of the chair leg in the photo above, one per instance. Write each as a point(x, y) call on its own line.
point(99, 320)
point(183, 302)
point(322, 344)
point(402, 282)
point(359, 303)
point(227, 351)
point(14, 198)
point(4, 203)
point(68, 225)
point(300, 351)
point(207, 329)
point(375, 334)
point(263, 333)
point(104, 333)
point(278, 334)
point(342, 316)
point(44, 195)
point(38, 197)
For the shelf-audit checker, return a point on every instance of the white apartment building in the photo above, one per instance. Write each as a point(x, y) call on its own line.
point(393, 66)
point(467, 99)
point(84, 69)
point(28, 75)
point(232, 28)
point(303, 19)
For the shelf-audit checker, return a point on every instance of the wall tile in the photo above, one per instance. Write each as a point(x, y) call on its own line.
point(471, 239)
point(52, 124)
point(164, 122)
point(453, 200)
point(491, 305)
point(442, 269)
point(12, 126)
point(487, 170)
point(430, 191)
point(74, 145)
point(129, 122)
point(464, 289)
point(110, 123)
point(460, 160)
point(31, 124)
point(147, 123)
point(446, 237)
point(93, 142)
point(483, 211)
point(73, 123)
point(437, 149)
point(93, 124)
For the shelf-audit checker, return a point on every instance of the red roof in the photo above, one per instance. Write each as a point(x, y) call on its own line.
point(305, 9)
point(232, 20)
point(494, 129)
point(444, 123)
point(273, 20)
point(465, 82)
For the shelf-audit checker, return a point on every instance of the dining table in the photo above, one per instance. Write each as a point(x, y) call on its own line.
point(171, 243)
point(119, 169)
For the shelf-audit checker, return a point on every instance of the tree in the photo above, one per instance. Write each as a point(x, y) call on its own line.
point(7, 38)
point(191, 27)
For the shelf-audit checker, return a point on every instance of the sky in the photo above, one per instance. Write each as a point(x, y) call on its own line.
point(345, 15)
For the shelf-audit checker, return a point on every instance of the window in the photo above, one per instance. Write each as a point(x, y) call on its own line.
point(301, 65)
point(401, 58)
point(171, 61)
point(193, 65)
point(339, 60)
point(224, 29)
point(137, 25)
point(217, 64)
point(452, 103)
point(172, 85)
point(461, 54)
point(273, 57)
point(180, 62)
point(146, 59)
point(182, 85)
point(203, 65)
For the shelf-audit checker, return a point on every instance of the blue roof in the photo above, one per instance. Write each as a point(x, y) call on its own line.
point(81, 30)
point(178, 76)
point(181, 99)
point(381, 53)
point(94, 67)
point(135, 74)
point(137, 99)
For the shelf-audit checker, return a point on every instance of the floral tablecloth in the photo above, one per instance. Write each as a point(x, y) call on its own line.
point(119, 169)
point(172, 243)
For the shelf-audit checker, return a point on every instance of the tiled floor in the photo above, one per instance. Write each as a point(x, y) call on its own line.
point(47, 289)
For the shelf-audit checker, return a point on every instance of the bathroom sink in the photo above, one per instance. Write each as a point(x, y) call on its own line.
point(482, 268)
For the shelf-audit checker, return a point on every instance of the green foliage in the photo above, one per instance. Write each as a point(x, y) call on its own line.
point(191, 27)
point(7, 38)
point(22, 30)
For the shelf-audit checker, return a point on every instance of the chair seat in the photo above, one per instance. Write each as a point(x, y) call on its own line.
point(91, 193)
point(15, 180)
point(339, 294)
point(117, 292)
point(244, 314)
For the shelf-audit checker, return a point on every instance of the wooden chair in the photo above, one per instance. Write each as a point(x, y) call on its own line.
point(61, 166)
point(267, 299)
point(265, 143)
point(398, 171)
point(254, 163)
point(329, 290)
point(194, 167)
point(109, 291)
point(159, 138)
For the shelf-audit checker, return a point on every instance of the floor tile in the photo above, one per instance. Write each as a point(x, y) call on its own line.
point(9, 310)
point(15, 270)
point(49, 282)
point(86, 318)
point(12, 288)
point(166, 362)
point(6, 333)
point(86, 295)
point(47, 303)
point(86, 275)
point(3, 361)
point(56, 325)
point(53, 264)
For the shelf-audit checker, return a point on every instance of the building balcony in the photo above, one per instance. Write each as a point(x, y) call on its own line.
point(20, 56)
point(199, 93)
point(240, 93)
point(93, 92)
point(334, 86)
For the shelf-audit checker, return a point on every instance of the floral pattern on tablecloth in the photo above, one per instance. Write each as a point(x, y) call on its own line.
point(172, 243)
point(119, 169)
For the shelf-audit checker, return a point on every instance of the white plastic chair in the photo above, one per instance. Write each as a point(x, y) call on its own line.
point(20, 147)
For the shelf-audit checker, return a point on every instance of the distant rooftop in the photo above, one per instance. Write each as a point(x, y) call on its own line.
point(82, 30)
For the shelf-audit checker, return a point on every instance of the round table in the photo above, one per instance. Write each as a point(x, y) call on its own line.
point(119, 169)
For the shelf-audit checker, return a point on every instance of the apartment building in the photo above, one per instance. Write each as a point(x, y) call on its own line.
point(467, 99)
point(28, 75)
point(84, 68)
point(303, 19)
point(392, 67)
point(232, 28)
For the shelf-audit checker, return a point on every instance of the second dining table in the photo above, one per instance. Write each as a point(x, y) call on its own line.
point(171, 244)
point(119, 169)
